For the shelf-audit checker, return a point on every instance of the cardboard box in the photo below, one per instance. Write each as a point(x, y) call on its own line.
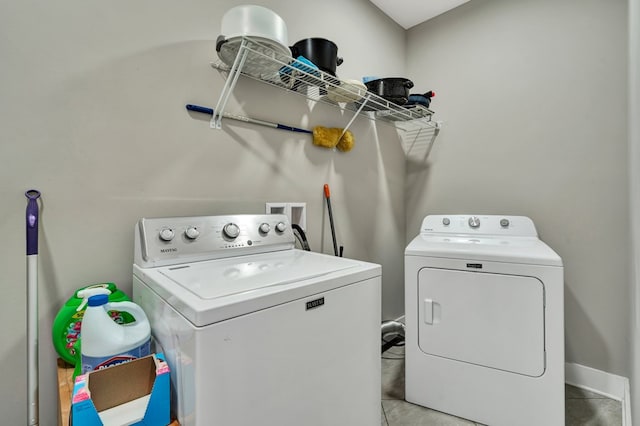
point(134, 393)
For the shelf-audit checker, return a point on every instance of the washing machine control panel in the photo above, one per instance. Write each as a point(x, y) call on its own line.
point(166, 241)
point(479, 224)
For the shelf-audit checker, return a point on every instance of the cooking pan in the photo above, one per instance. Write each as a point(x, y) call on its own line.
point(320, 51)
point(268, 36)
point(347, 91)
point(423, 99)
point(393, 89)
point(254, 21)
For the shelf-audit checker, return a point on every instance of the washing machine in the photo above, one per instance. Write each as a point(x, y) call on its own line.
point(255, 331)
point(484, 321)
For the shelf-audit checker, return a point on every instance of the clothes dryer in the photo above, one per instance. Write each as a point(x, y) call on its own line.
point(484, 321)
point(255, 331)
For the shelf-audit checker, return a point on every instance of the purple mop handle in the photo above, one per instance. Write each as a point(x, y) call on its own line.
point(32, 221)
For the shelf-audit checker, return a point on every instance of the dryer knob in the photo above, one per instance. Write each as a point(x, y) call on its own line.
point(166, 234)
point(474, 221)
point(231, 230)
point(264, 228)
point(281, 227)
point(192, 232)
point(504, 223)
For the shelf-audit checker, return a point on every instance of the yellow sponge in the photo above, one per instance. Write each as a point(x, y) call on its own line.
point(326, 137)
point(346, 142)
point(330, 138)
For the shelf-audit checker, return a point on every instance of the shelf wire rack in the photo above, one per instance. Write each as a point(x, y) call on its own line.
point(260, 60)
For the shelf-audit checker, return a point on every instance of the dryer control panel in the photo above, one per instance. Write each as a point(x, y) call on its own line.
point(173, 240)
point(516, 226)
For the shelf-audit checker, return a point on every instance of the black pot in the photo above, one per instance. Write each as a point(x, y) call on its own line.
point(393, 89)
point(320, 51)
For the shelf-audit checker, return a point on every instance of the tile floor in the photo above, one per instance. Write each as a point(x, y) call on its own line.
point(583, 408)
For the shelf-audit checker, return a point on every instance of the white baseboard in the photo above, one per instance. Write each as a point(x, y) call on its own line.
point(607, 384)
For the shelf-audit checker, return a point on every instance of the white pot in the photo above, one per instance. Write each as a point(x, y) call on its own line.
point(347, 91)
point(255, 21)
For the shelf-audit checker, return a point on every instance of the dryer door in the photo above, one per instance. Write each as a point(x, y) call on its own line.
point(492, 320)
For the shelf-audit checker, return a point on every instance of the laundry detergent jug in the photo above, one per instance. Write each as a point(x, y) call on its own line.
point(68, 321)
point(105, 342)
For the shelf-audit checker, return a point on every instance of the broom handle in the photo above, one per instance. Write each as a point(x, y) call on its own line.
point(327, 195)
point(32, 305)
point(32, 339)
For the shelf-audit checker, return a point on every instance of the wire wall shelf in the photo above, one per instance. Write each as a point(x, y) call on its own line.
point(263, 61)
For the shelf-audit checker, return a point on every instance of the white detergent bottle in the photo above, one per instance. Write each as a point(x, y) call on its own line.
point(105, 342)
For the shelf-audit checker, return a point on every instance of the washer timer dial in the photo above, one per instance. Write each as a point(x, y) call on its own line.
point(231, 230)
point(474, 221)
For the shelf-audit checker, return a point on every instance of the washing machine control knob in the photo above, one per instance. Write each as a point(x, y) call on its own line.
point(474, 221)
point(192, 233)
point(446, 221)
point(166, 234)
point(504, 223)
point(264, 228)
point(281, 227)
point(231, 230)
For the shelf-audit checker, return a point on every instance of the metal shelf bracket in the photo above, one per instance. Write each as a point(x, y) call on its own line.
point(230, 84)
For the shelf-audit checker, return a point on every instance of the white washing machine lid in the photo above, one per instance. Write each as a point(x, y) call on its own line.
point(522, 250)
point(245, 274)
point(211, 291)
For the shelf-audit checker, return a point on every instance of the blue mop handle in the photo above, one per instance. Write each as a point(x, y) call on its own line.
point(198, 108)
point(206, 110)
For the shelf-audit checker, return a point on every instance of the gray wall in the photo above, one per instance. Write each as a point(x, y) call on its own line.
point(634, 189)
point(533, 98)
point(92, 114)
point(532, 94)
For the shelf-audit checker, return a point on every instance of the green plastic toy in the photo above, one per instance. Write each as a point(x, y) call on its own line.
point(66, 325)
